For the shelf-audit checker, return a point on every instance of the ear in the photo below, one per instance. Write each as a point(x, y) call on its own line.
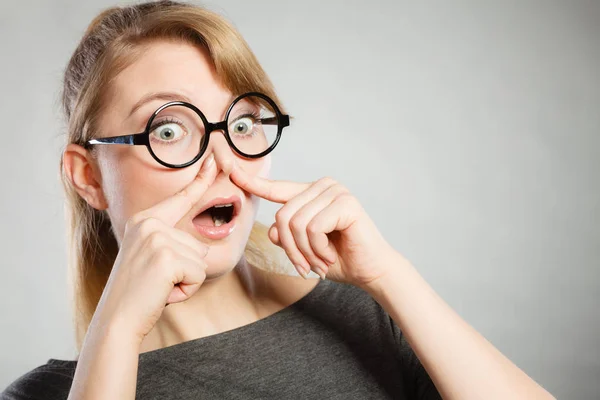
point(84, 175)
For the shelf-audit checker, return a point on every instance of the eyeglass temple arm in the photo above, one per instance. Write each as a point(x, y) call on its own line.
point(284, 120)
point(135, 139)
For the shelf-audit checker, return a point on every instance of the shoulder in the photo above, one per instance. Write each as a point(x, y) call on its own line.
point(375, 329)
point(49, 381)
point(348, 298)
point(349, 307)
point(323, 294)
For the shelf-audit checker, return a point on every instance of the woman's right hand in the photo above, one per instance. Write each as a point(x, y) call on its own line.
point(157, 263)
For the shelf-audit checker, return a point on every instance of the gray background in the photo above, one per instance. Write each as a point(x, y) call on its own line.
point(469, 131)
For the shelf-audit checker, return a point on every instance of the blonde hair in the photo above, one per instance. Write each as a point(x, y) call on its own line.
point(112, 41)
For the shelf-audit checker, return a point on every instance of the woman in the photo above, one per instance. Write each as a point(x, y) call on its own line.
point(178, 295)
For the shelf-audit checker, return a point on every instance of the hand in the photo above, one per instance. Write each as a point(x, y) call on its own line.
point(157, 264)
point(322, 227)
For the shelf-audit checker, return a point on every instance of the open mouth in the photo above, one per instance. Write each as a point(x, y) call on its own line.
point(219, 212)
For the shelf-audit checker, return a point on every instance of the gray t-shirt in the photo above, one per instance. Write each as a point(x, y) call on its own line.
point(334, 343)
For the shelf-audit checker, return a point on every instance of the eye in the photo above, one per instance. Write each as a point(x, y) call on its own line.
point(168, 132)
point(242, 126)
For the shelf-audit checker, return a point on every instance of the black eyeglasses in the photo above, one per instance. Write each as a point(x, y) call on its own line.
point(177, 133)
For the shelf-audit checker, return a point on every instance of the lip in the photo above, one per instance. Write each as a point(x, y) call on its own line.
point(219, 232)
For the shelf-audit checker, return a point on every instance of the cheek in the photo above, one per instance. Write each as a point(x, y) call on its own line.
point(260, 168)
point(131, 185)
point(265, 169)
point(114, 182)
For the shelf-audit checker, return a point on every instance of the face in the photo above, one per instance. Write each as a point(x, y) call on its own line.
point(132, 181)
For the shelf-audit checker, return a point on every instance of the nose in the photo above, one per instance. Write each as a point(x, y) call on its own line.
point(224, 155)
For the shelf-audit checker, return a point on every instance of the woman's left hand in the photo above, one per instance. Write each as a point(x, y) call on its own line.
point(322, 227)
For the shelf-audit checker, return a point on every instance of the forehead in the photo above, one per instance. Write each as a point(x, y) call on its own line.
point(170, 67)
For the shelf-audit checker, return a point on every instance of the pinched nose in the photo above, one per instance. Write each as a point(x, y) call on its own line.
point(224, 155)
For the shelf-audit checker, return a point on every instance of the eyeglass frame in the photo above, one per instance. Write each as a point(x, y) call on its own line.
point(143, 138)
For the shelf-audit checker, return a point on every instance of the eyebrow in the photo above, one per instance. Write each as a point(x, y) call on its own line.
point(167, 96)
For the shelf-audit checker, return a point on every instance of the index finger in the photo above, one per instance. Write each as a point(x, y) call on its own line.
point(175, 207)
point(272, 190)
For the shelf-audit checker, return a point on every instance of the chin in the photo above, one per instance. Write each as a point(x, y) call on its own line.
point(224, 255)
point(219, 264)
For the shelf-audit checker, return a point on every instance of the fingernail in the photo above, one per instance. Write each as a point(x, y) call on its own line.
point(320, 272)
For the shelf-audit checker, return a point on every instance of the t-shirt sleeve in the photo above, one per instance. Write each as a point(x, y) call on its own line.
point(51, 381)
point(417, 380)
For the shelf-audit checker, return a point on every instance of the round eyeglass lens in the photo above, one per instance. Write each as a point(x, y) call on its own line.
point(253, 125)
point(176, 134)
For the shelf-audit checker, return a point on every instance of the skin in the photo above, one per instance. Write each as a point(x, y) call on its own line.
point(320, 225)
point(125, 180)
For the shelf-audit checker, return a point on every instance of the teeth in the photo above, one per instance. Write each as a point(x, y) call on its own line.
point(218, 221)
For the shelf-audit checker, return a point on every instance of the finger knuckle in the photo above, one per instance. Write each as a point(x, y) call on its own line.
point(281, 216)
point(164, 258)
point(312, 228)
point(185, 194)
point(327, 181)
point(341, 189)
point(156, 240)
point(297, 223)
point(147, 227)
point(269, 192)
